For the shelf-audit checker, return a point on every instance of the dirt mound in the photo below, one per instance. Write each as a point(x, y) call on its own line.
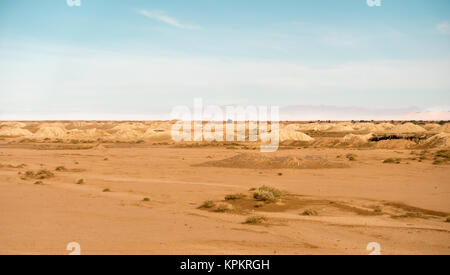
point(129, 127)
point(51, 132)
point(13, 124)
point(14, 132)
point(292, 135)
point(258, 161)
point(445, 128)
point(441, 140)
point(52, 124)
point(432, 127)
point(315, 126)
point(356, 140)
point(86, 134)
point(383, 128)
point(99, 147)
point(363, 127)
point(341, 128)
point(408, 128)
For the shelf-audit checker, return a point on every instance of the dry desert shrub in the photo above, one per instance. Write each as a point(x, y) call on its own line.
point(232, 197)
point(441, 157)
point(259, 204)
point(256, 220)
point(267, 194)
point(223, 207)
point(60, 169)
point(80, 181)
point(106, 190)
point(40, 174)
point(351, 157)
point(392, 160)
point(207, 204)
point(309, 212)
point(378, 210)
point(146, 199)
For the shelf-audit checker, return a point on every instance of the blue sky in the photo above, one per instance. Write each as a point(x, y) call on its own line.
point(144, 57)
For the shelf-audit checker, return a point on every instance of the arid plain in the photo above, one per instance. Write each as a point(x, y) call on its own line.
point(127, 188)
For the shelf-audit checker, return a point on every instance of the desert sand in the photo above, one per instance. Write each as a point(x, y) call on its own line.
point(127, 188)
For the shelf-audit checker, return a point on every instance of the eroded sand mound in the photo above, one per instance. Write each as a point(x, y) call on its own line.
point(14, 132)
point(352, 139)
point(288, 134)
point(383, 128)
point(408, 128)
point(445, 128)
point(315, 126)
point(365, 126)
point(129, 126)
point(13, 124)
point(52, 124)
point(51, 132)
point(441, 140)
point(87, 134)
point(341, 128)
point(259, 161)
point(432, 127)
point(99, 147)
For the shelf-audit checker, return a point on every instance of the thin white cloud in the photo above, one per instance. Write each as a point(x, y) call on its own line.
point(443, 28)
point(162, 17)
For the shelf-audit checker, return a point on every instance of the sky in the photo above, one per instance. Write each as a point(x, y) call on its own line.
point(137, 59)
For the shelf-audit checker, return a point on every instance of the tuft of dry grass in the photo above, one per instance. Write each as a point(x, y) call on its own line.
point(259, 204)
point(146, 199)
point(39, 183)
point(80, 181)
point(40, 174)
point(448, 219)
point(223, 207)
point(378, 210)
point(106, 190)
point(441, 157)
point(351, 157)
point(60, 169)
point(257, 219)
point(392, 160)
point(309, 212)
point(233, 197)
point(267, 194)
point(207, 204)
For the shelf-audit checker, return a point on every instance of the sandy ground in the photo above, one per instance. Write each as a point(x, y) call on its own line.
point(412, 198)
